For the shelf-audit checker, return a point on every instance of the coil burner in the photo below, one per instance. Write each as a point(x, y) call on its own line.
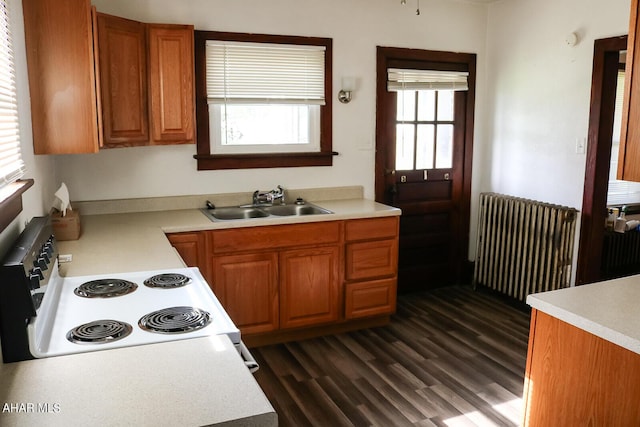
point(175, 320)
point(167, 281)
point(105, 288)
point(99, 332)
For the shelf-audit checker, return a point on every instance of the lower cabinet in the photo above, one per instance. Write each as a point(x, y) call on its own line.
point(191, 248)
point(371, 267)
point(278, 279)
point(309, 287)
point(574, 378)
point(247, 286)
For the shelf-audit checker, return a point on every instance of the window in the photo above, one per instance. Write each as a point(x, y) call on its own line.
point(264, 97)
point(425, 116)
point(262, 101)
point(11, 164)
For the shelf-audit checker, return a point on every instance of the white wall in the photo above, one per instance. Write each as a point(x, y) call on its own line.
point(540, 92)
point(356, 26)
point(37, 200)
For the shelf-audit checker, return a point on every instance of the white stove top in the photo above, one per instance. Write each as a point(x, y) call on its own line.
point(62, 310)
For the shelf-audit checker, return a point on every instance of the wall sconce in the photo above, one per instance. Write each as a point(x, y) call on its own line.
point(348, 85)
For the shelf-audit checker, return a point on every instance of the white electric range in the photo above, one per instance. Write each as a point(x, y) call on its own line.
point(43, 314)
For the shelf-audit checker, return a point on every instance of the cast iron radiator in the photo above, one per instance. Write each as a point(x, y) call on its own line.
point(620, 254)
point(524, 246)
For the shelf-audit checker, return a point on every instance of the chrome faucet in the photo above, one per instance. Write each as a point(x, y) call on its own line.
point(268, 197)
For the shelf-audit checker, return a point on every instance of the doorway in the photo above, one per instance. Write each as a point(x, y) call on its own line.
point(606, 61)
point(424, 143)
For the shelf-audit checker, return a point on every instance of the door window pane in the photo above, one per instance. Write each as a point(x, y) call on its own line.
point(426, 105)
point(404, 147)
point(444, 144)
point(445, 105)
point(406, 105)
point(425, 142)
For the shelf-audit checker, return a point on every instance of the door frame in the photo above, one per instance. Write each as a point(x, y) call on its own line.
point(445, 61)
point(596, 180)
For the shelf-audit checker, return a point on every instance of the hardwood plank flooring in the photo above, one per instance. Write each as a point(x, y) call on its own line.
point(449, 357)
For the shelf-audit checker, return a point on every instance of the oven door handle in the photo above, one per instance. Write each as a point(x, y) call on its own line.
point(249, 360)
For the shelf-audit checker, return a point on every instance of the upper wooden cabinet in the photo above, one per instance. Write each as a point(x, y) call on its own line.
point(171, 76)
point(123, 73)
point(146, 82)
point(62, 77)
point(84, 70)
point(629, 154)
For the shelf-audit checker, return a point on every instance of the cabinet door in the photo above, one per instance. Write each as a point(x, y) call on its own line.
point(123, 74)
point(310, 291)
point(247, 286)
point(629, 151)
point(190, 246)
point(171, 75)
point(62, 77)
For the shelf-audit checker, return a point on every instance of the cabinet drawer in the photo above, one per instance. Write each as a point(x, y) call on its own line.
point(371, 228)
point(370, 298)
point(276, 236)
point(366, 260)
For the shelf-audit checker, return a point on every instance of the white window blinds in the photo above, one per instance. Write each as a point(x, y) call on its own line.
point(11, 164)
point(399, 79)
point(253, 73)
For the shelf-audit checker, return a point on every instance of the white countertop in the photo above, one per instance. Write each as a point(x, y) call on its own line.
point(192, 382)
point(140, 388)
point(609, 310)
point(123, 242)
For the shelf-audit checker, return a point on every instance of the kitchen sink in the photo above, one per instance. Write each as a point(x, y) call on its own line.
point(288, 210)
point(235, 212)
point(231, 213)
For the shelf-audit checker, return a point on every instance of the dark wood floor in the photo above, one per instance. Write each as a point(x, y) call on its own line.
point(450, 357)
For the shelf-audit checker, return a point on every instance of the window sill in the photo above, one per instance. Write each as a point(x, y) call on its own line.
point(11, 201)
point(271, 160)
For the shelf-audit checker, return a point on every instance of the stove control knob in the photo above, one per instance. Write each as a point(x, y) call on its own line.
point(40, 263)
point(44, 255)
point(35, 277)
point(46, 249)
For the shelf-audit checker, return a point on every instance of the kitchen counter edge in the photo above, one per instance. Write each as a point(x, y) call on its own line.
point(608, 309)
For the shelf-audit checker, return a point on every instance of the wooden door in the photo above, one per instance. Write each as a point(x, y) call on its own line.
point(309, 287)
point(423, 166)
point(62, 78)
point(247, 286)
point(192, 250)
point(171, 76)
point(123, 71)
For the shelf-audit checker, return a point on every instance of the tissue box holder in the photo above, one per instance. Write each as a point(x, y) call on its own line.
point(66, 227)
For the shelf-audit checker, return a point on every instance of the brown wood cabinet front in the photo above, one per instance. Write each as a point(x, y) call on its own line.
point(629, 152)
point(309, 287)
point(371, 267)
point(574, 378)
point(146, 82)
point(123, 72)
point(247, 286)
point(192, 250)
point(171, 76)
point(62, 77)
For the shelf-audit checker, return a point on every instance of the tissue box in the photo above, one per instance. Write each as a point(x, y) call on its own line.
point(66, 227)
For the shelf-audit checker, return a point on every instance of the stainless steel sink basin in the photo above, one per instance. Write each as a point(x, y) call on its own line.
point(234, 212)
point(288, 210)
point(231, 213)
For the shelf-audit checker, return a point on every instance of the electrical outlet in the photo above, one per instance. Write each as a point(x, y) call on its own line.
point(65, 258)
